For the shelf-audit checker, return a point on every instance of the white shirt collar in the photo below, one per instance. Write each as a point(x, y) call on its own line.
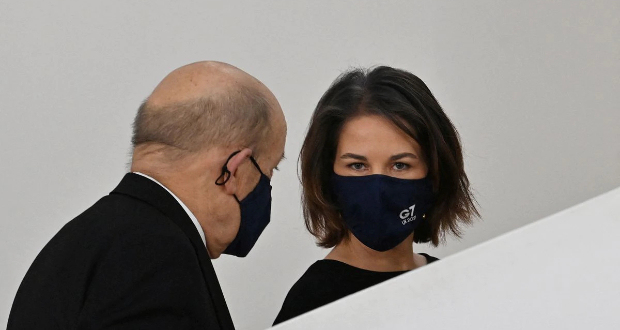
point(189, 213)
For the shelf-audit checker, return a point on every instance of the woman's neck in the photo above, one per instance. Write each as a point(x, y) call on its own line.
point(353, 252)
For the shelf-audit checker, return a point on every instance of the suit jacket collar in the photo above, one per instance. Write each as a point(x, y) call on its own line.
point(148, 191)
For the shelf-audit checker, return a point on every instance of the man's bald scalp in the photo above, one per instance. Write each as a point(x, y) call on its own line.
point(240, 115)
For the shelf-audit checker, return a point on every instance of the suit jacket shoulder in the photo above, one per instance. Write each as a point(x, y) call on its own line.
point(123, 264)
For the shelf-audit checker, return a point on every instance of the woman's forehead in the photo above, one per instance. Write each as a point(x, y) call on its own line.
point(374, 134)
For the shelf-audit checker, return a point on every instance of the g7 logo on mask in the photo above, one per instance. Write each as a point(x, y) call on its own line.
point(407, 214)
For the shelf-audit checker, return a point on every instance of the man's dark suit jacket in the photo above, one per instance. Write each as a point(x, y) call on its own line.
point(134, 260)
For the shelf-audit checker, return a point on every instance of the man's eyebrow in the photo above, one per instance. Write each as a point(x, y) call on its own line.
point(281, 159)
point(354, 156)
point(403, 155)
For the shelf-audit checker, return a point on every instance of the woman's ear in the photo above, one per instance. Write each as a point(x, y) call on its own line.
point(233, 165)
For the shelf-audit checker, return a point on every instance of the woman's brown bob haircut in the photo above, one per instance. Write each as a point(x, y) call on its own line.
point(406, 101)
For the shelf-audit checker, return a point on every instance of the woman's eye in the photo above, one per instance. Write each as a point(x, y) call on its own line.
point(400, 166)
point(357, 166)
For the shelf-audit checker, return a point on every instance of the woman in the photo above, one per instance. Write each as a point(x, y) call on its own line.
point(381, 168)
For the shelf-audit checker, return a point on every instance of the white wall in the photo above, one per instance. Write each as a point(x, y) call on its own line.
point(532, 86)
point(531, 278)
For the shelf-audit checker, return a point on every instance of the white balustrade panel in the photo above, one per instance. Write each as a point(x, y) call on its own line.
point(562, 272)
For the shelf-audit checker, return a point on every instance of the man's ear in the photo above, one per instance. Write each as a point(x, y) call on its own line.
point(233, 165)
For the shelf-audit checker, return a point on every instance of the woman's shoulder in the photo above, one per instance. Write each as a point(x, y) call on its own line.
point(317, 280)
point(318, 286)
point(325, 276)
point(326, 281)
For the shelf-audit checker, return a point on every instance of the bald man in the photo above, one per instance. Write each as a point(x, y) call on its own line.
point(206, 142)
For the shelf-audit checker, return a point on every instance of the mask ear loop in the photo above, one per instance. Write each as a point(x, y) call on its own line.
point(256, 165)
point(225, 176)
point(259, 170)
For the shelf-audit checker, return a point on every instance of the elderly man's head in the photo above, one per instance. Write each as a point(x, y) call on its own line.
point(185, 131)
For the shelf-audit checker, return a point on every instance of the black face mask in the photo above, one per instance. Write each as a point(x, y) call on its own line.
point(255, 211)
point(381, 211)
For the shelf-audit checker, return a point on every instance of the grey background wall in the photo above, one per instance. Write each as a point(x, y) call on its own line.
point(533, 87)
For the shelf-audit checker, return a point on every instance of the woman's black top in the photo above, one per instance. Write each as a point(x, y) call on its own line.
point(327, 281)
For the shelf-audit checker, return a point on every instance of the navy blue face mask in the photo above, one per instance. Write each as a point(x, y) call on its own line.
point(381, 211)
point(255, 211)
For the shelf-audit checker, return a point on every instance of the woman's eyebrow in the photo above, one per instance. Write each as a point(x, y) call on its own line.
point(354, 156)
point(403, 155)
